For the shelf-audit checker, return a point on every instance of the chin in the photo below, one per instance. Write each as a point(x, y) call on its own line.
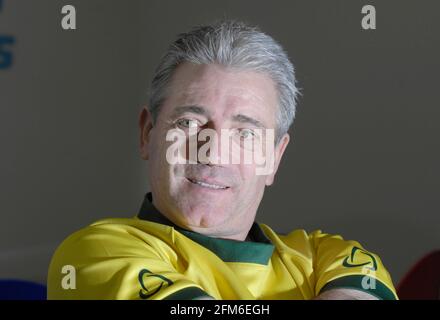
point(202, 216)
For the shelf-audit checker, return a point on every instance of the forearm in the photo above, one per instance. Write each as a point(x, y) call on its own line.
point(333, 294)
point(345, 294)
point(204, 298)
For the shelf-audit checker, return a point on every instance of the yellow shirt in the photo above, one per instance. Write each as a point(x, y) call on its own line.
point(149, 257)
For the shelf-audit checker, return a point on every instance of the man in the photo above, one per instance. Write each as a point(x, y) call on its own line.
point(195, 236)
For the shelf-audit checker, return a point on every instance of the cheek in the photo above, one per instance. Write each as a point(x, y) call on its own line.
point(253, 188)
point(249, 177)
point(158, 164)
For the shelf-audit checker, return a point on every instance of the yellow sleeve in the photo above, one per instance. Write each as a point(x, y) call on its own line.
point(114, 262)
point(339, 263)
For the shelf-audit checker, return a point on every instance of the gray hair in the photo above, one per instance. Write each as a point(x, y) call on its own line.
point(235, 45)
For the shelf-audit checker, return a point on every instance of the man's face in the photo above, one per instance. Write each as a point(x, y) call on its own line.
point(216, 199)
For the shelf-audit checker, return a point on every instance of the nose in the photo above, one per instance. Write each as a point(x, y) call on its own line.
point(213, 145)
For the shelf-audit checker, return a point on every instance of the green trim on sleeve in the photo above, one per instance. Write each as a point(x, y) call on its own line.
point(188, 293)
point(381, 291)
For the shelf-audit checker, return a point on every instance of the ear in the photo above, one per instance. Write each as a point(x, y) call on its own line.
point(145, 126)
point(279, 151)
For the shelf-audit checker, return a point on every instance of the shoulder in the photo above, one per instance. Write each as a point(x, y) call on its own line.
point(113, 237)
point(301, 238)
point(310, 245)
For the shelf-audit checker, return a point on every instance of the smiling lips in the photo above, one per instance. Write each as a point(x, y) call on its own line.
point(205, 184)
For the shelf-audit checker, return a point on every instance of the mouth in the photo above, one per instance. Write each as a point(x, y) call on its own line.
point(204, 184)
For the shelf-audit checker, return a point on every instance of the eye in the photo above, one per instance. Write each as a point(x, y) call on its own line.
point(187, 123)
point(246, 133)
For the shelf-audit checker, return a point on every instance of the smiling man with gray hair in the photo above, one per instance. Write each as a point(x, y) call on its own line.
point(221, 94)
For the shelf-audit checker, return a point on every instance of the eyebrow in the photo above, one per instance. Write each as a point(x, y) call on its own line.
point(245, 119)
point(178, 111)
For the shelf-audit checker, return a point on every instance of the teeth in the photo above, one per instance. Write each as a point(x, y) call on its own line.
point(207, 185)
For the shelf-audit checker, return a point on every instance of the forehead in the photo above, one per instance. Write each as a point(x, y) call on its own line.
point(220, 89)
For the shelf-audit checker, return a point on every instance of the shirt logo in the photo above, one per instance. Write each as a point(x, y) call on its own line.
point(360, 258)
point(145, 281)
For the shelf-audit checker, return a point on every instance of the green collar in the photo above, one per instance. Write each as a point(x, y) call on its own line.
point(259, 250)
